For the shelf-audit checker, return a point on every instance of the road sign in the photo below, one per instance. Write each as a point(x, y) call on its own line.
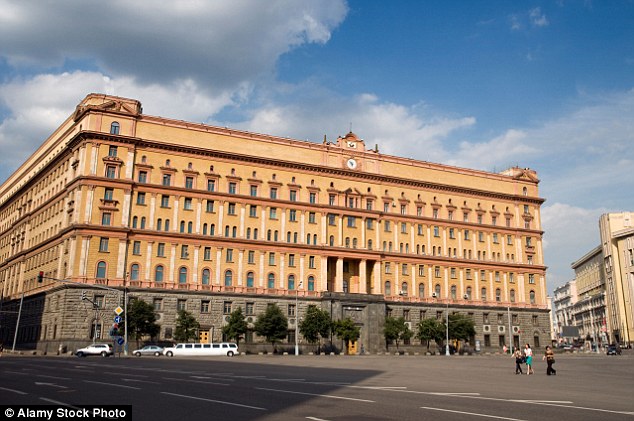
point(118, 319)
point(118, 310)
point(120, 341)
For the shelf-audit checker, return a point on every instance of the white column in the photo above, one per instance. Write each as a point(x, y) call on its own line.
point(363, 277)
point(148, 261)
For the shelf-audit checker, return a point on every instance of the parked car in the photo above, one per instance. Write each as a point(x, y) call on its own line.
point(149, 350)
point(105, 350)
point(613, 349)
point(191, 350)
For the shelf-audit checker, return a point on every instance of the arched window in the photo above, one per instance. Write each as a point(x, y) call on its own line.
point(369, 244)
point(437, 290)
point(248, 233)
point(483, 294)
point(469, 293)
point(275, 235)
point(453, 292)
point(189, 227)
point(291, 282)
point(404, 290)
point(347, 242)
point(182, 230)
point(228, 278)
point(182, 275)
point(205, 277)
point(159, 224)
point(268, 235)
point(288, 236)
point(498, 295)
point(101, 270)
point(270, 283)
point(135, 221)
point(234, 232)
point(114, 128)
point(311, 283)
point(205, 229)
point(158, 274)
point(532, 296)
point(212, 229)
point(134, 272)
point(143, 222)
point(226, 230)
point(421, 290)
point(250, 279)
point(332, 241)
point(388, 288)
point(512, 295)
point(255, 233)
point(167, 225)
point(354, 243)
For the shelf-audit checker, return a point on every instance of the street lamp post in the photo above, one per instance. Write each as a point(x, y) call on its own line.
point(447, 329)
point(301, 283)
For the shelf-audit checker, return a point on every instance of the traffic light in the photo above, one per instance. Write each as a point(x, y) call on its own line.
point(83, 295)
point(40, 277)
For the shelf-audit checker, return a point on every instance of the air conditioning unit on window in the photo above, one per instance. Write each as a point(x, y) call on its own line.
point(486, 328)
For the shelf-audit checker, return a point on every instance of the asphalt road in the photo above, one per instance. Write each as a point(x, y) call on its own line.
point(587, 387)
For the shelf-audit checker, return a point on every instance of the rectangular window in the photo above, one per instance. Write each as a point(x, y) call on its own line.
point(111, 171)
point(112, 151)
point(209, 207)
point(165, 201)
point(291, 310)
point(293, 196)
point(386, 226)
point(452, 271)
point(226, 307)
point(253, 211)
point(158, 304)
point(437, 271)
point(272, 213)
point(253, 191)
point(468, 274)
point(531, 278)
point(136, 248)
point(273, 193)
point(271, 259)
point(436, 231)
point(312, 198)
point(386, 207)
point(140, 198)
point(291, 260)
point(160, 250)
point(108, 195)
point(211, 185)
point(331, 200)
point(204, 306)
point(368, 204)
point(452, 233)
point(421, 270)
point(311, 218)
point(181, 305)
point(403, 209)
point(167, 179)
point(207, 253)
point(419, 211)
point(189, 182)
point(420, 229)
point(481, 237)
point(405, 269)
point(403, 227)
point(369, 223)
point(331, 219)
point(231, 209)
point(509, 240)
point(450, 215)
point(388, 268)
point(311, 262)
point(103, 244)
point(184, 252)
point(187, 205)
point(250, 309)
point(251, 257)
point(233, 188)
point(495, 238)
point(435, 213)
point(466, 234)
point(229, 256)
point(352, 222)
point(106, 218)
point(292, 215)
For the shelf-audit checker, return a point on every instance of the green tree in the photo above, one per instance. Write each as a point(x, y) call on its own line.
point(429, 329)
point(316, 324)
point(186, 327)
point(461, 327)
point(236, 327)
point(396, 329)
point(346, 330)
point(141, 321)
point(273, 325)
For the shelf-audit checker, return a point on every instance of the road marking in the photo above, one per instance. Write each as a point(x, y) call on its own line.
point(215, 401)
point(14, 391)
point(455, 393)
point(140, 381)
point(316, 394)
point(50, 384)
point(53, 377)
point(125, 374)
point(59, 403)
point(379, 387)
point(212, 377)
point(471, 413)
point(195, 381)
point(111, 384)
point(18, 372)
point(316, 419)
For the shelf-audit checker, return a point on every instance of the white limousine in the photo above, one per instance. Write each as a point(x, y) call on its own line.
point(193, 350)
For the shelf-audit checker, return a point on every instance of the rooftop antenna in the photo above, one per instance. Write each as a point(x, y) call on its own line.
point(351, 127)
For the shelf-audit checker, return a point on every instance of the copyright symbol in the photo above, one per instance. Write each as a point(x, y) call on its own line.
point(8, 412)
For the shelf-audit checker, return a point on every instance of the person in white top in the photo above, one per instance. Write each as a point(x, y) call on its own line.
point(528, 353)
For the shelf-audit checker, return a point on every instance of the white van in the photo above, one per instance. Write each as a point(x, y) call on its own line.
point(193, 350)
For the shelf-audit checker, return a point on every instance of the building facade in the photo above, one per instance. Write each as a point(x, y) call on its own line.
point(196, 217)
point(564, 298)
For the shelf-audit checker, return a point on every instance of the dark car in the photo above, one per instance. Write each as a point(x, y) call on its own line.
point(613, 349)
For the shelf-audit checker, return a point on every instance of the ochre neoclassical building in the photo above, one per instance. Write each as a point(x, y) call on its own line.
point(204, 218)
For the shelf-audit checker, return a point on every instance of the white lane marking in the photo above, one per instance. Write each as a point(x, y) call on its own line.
point(215, 401)
point(14, 391)
point(125, 374)
point(471, 413)
point(50, 384)
point(53, 377)
point(455, 393)
point(112, 384)
point(194, 381)
point(315, 394)
point(18, 372)
point(224, 379)
point(538, 401)
point(59, 403)
point(140, 381)
point(316, 419)
point(288, 380)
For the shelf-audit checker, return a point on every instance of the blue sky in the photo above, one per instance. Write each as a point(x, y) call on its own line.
point(542, 84)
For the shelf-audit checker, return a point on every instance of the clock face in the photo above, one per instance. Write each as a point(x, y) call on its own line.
point(351, 163)
point(352, 144)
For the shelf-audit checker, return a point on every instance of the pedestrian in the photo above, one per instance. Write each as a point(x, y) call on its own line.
point(528, 353)
point(519, 360)
point(504, 349)
point(549, 356)
point(1, 348)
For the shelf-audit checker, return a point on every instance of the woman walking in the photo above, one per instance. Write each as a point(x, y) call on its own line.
point(528, 353)
point(549, 356)
point(519, 360)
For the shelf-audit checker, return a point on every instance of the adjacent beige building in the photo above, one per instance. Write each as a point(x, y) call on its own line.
point(207, 219)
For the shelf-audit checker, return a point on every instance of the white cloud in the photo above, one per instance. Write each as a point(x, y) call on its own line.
point(537, 18)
